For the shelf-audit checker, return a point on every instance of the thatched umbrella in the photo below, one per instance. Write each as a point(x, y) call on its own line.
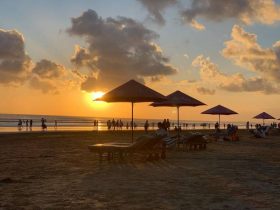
point(133, 92)
point(178, 99)
point(219, 110)
point(263, 116)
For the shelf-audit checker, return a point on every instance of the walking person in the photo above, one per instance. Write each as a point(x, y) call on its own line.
point(43, 124)
point(19, 124)
point(146, 126)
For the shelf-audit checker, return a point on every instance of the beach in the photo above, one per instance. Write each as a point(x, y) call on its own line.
point(55, 170)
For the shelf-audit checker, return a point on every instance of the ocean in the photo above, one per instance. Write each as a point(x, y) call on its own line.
point(9, 123)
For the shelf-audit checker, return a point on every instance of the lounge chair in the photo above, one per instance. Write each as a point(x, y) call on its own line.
point(193, 142)
point(153, 147)
point(170, 141)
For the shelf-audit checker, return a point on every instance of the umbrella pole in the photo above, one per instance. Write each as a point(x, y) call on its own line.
point(132, 123)
point(178, 120)
point(263, 121)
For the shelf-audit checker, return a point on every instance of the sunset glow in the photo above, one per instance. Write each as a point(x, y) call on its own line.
point(139, 104)
point(96, 95)
point(228, 58)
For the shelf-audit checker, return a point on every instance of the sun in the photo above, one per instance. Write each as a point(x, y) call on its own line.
point(96, 95)
point(91, 99)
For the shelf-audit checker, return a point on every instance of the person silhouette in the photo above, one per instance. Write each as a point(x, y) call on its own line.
point(146, 126)
point(30, 123)
point(43, 124)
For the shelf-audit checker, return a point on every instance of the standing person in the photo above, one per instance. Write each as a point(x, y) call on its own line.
point(247, 125)
point(114, 124)
point(31, 124)
point(168, 124)
point(43, 124)
point(146, 126)
point(161, 130)
point(108, 127)
point(19, 124)
point(27, 123)
point(55, 123)
point(217, 127)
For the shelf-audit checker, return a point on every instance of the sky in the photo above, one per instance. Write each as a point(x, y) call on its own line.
point(54, 55)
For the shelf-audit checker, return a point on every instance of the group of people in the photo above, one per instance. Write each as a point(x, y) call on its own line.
point(28, 124)
point(115, 124)
point(230, 134)
point(95, 123)
point(261, 131)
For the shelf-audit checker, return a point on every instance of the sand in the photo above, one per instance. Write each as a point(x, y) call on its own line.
point(55, 170)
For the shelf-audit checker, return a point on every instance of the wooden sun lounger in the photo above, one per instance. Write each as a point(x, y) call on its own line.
point(153, 147)
point(193, 142)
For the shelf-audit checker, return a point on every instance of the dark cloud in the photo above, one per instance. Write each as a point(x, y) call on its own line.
point(156, 8)
point(246, 11)
point(17, 68)
point(118, 50)
point(46, 75)
point(14, 62)
point(48, 69)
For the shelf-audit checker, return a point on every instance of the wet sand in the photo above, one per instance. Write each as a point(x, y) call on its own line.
point(55, 170)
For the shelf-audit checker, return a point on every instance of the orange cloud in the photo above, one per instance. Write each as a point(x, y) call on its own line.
point(244, 50)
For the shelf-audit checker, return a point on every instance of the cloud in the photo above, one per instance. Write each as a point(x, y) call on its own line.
point(17, 68)
point(14, 62)
point(47, 76)
point(156, 8)
point(46, 86)
point(210, 74)
point(197, 25)
point(245, 11)
point(244, 50)
point(117, 50)
point(252, 85)
point(48, 69)
point(205, 91)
